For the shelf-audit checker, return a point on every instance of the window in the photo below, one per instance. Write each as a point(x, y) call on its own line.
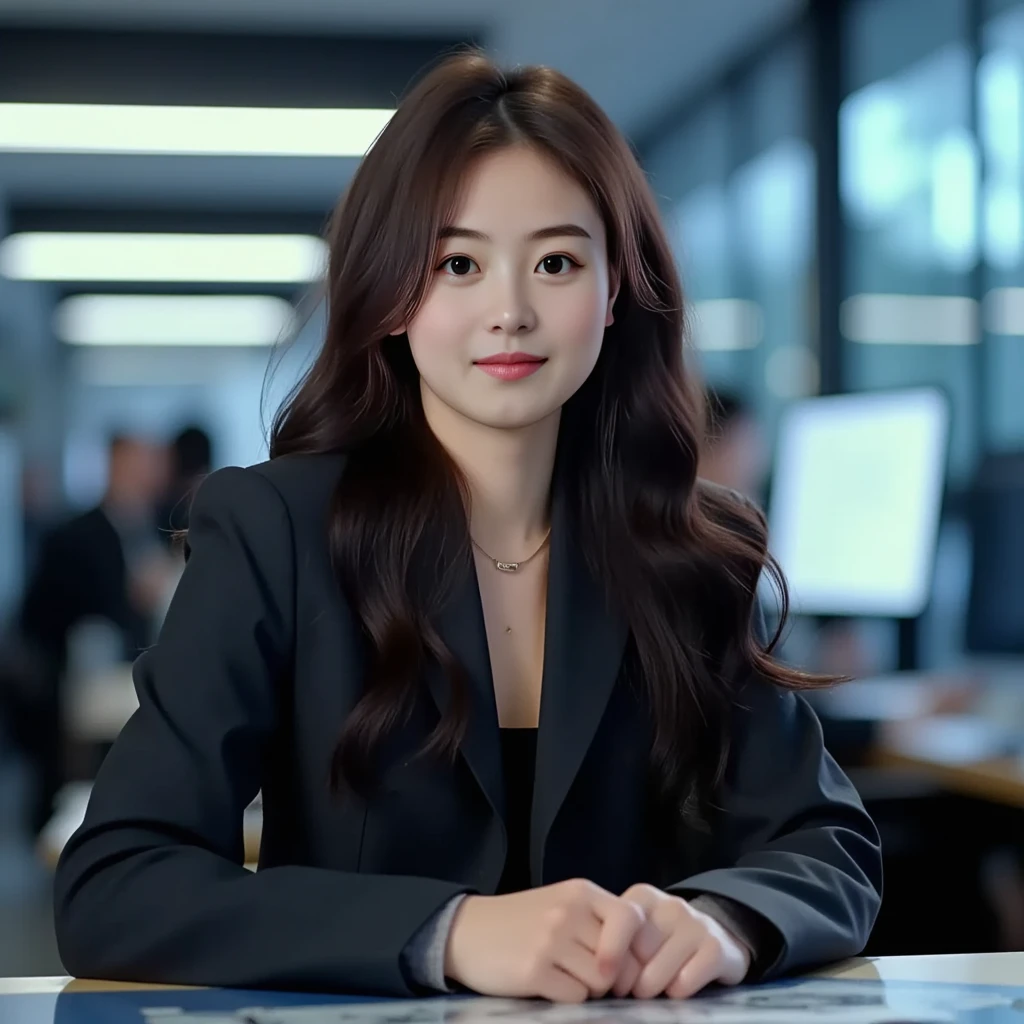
point(736, 181)
point(773, 194)
point(1000, 126)
point(689, 170)
point(909, 193)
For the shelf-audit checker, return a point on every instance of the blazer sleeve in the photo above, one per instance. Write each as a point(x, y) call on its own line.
point(152, 887)
point(800, 849)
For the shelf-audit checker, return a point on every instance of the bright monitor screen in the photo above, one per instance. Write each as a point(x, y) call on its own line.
point(856, 497)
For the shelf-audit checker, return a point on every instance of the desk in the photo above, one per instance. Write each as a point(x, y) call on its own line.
point(996, 980)
point(961, 968)
point(998, 780)
point(964, 734)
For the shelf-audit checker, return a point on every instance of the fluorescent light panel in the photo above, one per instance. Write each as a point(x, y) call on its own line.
point(214, 131)
point(727, 325)
point(101, 256)
point(910, 319)
point(1004, 311)
point(177, 320)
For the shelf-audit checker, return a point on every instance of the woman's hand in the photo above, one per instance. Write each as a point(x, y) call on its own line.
point(679, 950)
point(566, 942)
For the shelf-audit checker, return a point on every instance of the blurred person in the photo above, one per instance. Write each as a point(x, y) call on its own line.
point(484, 490)
point(191, 457)
point(735, 453)
point(39, 507)
point(105, 565)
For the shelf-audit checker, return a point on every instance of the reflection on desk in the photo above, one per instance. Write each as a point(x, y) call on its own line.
point(982, 989)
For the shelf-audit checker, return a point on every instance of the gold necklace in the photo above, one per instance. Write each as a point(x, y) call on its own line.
point(514, 566)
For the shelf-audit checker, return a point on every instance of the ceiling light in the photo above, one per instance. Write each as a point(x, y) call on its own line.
point(173, 319)
point(1004, 311)
point(102, 256)
point(910, 319)
point(218, 131)
point(727, 325)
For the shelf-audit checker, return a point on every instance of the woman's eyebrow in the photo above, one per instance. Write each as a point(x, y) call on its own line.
point(554, 231)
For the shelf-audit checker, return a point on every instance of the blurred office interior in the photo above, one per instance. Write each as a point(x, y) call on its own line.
point(843, 181)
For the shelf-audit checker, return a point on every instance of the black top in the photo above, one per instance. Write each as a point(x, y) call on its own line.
point(259, 663)
point(519, 761)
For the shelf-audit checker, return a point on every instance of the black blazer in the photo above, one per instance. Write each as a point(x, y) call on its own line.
point(260, 660)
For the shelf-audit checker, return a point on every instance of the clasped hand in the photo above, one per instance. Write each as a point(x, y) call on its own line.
point(573, 941)
point(676, 950)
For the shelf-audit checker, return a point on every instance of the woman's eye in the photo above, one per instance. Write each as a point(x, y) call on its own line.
point(557, 265)
point(459, 266)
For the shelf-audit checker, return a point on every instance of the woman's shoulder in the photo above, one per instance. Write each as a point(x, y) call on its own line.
point(298, 485)
point(303, 479)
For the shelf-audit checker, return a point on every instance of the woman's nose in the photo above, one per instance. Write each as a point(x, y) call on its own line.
point(512, 311)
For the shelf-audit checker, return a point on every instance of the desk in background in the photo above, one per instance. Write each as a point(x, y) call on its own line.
point(962, 733)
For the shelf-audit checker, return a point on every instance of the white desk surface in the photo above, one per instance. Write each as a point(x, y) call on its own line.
point(961, 968)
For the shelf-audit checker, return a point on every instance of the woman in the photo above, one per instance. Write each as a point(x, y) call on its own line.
point(476, 631)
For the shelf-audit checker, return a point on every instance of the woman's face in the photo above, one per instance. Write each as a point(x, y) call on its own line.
point(522, 273)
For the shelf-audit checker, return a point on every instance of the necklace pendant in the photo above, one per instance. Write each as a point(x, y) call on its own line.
point(506, 566)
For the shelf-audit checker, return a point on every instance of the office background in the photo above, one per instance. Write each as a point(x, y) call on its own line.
point(843, 181)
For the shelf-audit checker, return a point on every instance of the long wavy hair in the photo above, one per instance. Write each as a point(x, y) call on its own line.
point(681, 562)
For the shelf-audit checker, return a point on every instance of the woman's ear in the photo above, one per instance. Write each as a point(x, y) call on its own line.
point(397, 331)
point(613, 294)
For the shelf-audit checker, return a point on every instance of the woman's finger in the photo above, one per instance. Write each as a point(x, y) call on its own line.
point(631, 968)
point(560, 987)
point(648, 940)
point(622, 922)
point(661, 970)
point(698, 972)
point(581, 963)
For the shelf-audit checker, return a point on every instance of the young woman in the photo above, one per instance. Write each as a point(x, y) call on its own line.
point(476, 630)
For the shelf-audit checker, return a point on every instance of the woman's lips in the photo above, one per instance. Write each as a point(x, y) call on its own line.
point(512, 371)
point(510, 365)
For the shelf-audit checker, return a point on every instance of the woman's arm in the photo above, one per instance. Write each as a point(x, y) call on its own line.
point(152, 887)
point(805, 855)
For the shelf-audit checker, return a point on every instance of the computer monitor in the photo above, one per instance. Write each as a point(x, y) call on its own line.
point(856, 497)
point(995, 513)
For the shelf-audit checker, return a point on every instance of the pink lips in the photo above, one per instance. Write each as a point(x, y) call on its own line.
point(511, 365)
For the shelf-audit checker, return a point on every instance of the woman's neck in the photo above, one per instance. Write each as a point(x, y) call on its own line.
point(509, 474)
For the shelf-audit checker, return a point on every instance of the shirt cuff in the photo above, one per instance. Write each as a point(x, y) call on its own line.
point(423, 956)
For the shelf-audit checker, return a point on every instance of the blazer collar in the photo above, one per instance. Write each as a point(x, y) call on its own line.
point(583, 648)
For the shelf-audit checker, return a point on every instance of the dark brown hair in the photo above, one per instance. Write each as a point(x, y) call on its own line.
point(681, 561)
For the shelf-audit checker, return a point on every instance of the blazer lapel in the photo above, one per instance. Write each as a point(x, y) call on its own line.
point(461, 625)
point(584, 642)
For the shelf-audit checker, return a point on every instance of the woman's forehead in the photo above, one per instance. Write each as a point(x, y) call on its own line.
point(517, 191)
